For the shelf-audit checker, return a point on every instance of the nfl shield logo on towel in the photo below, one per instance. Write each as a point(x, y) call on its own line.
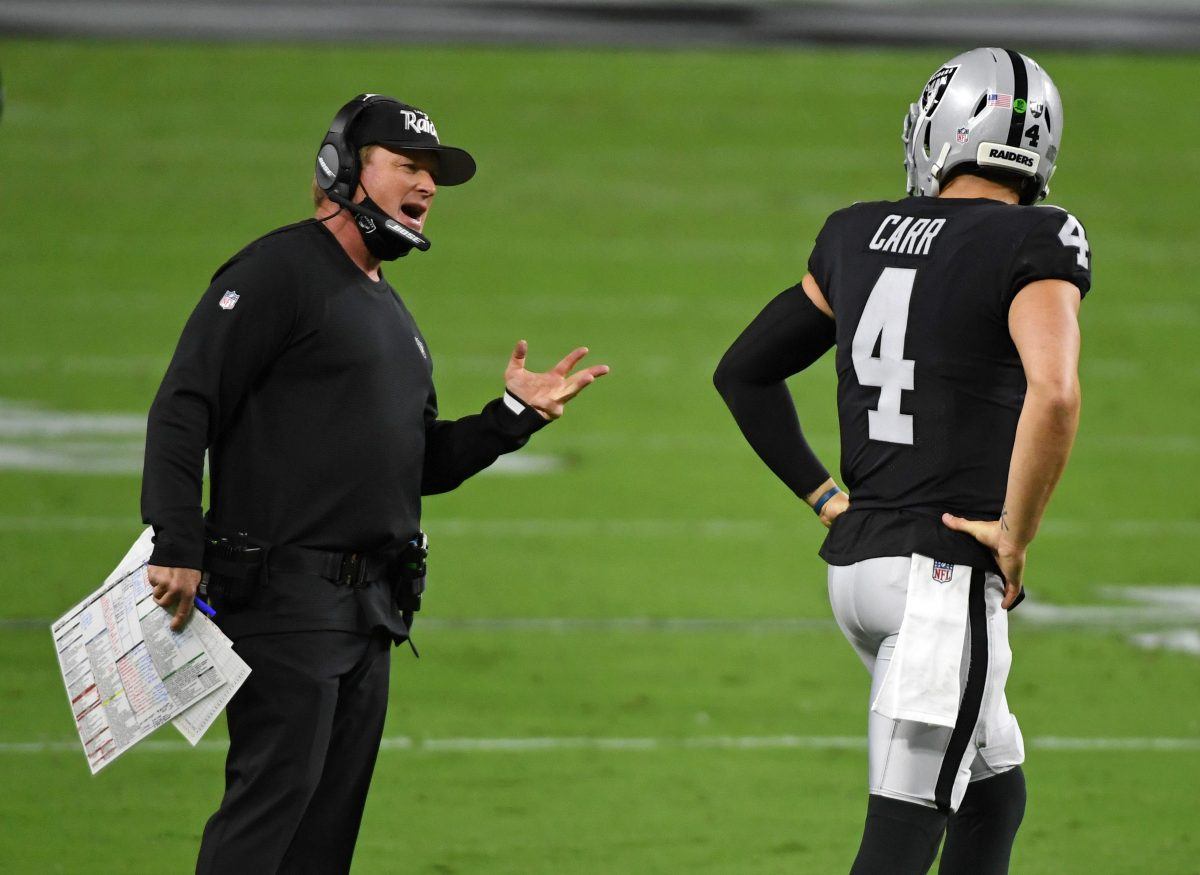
point(229, 299)
point(943, 571)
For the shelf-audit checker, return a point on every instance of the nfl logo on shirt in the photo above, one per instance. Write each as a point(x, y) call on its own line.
point(229, 299)
point(943, 571)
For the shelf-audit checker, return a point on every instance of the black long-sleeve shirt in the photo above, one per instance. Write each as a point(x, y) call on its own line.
point(311, 387)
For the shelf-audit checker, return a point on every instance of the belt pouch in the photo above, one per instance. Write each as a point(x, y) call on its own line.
point(234, 567)
point(408, 584)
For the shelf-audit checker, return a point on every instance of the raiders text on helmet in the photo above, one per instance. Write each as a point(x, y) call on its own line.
point(987, 107)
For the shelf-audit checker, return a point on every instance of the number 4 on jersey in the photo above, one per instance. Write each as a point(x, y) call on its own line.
point(885, 318)
point(1072, 235)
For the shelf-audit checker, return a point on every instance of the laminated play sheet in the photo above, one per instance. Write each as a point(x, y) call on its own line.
point(195, 720)
point(126, 673)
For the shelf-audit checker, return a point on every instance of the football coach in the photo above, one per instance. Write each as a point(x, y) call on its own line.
point(304, 376)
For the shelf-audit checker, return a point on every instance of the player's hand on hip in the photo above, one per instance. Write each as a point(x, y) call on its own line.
point(549, 391)
point(1009, 556)
point(834, 508)
point(174, 586)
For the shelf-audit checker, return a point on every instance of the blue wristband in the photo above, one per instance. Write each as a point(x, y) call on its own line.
point(824, 499)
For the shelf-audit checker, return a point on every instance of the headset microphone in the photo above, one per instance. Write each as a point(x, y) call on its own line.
point(413, 238)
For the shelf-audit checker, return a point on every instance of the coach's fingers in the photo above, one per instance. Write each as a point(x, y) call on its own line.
point(183, 610)
point(578, 382)
point(516, 361)
point(585, 377)
point(570, 360)
point(1012, 589)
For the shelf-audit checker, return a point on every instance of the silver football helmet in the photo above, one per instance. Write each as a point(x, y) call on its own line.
point(993, 108)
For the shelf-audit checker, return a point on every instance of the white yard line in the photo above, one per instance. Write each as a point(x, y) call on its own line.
point(1138, 607)
point(453, 527)
point(1178, 640)
point(33, 438)
point(27, 421)
point(567, 625)
point(1120, 528)
point(608, 526)
point(538, 744)
point(645, 527)
point(634, 624)
point(54, 523)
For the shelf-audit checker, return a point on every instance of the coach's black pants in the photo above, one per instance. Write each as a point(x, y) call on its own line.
point(304, 731)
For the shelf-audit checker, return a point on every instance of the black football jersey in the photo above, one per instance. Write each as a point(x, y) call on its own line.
point(930, 385)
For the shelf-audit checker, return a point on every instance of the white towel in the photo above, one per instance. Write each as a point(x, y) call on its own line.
point(924, 680)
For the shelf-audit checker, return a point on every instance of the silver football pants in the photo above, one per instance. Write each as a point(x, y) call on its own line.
point(919, 762)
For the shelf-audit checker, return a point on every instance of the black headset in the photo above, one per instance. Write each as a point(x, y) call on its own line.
point(338, 170)
point(337, 160)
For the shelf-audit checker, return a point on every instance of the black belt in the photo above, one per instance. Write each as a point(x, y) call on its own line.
point(344, 569)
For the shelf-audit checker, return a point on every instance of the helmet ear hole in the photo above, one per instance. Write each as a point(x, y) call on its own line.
point(928, 128)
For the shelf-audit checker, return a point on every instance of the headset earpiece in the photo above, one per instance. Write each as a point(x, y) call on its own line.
point(328, 166)
point(337, 160)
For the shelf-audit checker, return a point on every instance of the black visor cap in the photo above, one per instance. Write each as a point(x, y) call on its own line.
point(401, 127)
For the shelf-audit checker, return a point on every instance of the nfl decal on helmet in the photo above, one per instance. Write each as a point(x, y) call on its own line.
point(988, 108)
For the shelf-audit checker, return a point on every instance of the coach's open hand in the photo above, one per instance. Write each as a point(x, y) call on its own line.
point(174, 585)
point(548, 392)
point(1009, 557)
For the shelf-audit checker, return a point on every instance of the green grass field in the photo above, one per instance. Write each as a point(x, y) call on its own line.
point(646, 204)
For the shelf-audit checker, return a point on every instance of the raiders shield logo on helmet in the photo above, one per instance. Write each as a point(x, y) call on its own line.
point(935, 88)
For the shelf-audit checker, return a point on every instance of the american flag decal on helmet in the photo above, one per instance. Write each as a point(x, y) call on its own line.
point(943, 571)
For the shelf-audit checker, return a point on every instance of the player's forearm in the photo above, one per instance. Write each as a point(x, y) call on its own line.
point(1045, 434)
point(815, 495)
point(785, 338)
point(768, 420)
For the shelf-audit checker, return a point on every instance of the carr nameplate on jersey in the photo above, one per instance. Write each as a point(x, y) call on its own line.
point(906, 235)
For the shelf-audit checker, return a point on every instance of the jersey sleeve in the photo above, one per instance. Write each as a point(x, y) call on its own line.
point(241, 324)
point(821, 259)
point(1056, 248)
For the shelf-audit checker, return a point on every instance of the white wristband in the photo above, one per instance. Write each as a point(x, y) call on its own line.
point(513, 403)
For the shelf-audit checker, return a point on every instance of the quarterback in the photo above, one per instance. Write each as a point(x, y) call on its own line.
point(954, 315)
